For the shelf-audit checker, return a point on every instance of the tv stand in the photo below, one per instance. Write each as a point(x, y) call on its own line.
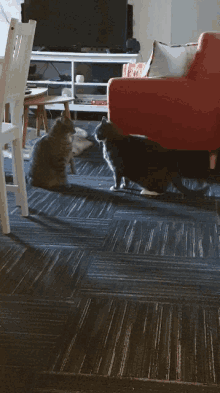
point(101, 50)
point(71, 59)
point(56, 49)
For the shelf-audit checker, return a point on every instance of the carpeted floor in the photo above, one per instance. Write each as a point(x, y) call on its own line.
point(103, 291)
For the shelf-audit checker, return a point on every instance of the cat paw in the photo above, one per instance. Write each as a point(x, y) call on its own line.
point(113, 188)
point(147, 192)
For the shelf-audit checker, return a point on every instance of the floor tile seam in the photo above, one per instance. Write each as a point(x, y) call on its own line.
point(117, 382)
point(183, 300)
point(154, 213)
point(138, 298)
point(76, 247)
point(60, 247)
point(24, 300)
point(167, 220)
point(161, 258)
point(53, 217)
point(64, 220)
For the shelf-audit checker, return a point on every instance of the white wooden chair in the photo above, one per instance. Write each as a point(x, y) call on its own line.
point(13, 81)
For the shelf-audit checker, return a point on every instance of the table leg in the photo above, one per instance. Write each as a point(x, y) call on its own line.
point(44, 113)
point(39, 118)
point(67, 111)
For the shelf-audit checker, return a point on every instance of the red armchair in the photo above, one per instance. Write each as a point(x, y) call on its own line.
point(179, 113)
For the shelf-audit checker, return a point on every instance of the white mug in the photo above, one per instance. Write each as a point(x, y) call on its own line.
point(79, 78)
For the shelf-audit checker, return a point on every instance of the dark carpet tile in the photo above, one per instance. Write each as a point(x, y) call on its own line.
point(16, 379)
point(40, 272)
point(169, 205)
point(31, 331)
point(165, 342)
point(63, 383)
point(164, 237)
point(154, 278)
point(45, 231)
point(86, 197)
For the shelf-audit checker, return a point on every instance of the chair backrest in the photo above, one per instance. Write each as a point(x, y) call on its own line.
point(16, 62)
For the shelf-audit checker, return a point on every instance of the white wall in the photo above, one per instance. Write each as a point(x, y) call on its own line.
point(173, 21)
point(8, 9)
point(152, 20)
point(208, 15)
point(192, 17)
point(184, 21)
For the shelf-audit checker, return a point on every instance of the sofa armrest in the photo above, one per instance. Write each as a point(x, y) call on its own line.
point(178, 113)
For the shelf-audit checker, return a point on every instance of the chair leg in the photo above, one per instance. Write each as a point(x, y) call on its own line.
point(3, 198)
point(16, 118)
point(17, 160)
point(15, 179)
point(7, 110)
point(26, 110)
point(21, 195)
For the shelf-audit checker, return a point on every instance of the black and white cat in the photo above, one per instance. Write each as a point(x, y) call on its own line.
point(51, 155)
point(133, 158)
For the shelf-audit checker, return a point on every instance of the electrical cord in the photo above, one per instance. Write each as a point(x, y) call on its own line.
point(45, 69)
point(4, 14)
point(57, 86)
point(62, 78)
point(55, 68)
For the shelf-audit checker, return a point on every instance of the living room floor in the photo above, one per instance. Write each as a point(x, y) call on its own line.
point(104, 291)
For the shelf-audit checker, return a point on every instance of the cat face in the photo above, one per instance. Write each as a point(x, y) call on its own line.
point(102, 130)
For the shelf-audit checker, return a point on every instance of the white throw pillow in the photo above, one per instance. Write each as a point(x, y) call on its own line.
point(80, 143)
point(169, 61)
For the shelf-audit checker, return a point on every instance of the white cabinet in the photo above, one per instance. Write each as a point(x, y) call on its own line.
point(94, 85)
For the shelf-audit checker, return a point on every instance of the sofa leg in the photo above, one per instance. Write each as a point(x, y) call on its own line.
point(213, 159)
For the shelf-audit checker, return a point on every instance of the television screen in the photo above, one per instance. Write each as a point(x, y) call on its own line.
point(87, 23)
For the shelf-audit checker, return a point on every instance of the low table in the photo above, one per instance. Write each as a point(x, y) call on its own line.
point(35, 93)
point(40, 100)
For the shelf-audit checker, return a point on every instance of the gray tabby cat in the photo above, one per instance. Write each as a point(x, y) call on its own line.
point(51, 154)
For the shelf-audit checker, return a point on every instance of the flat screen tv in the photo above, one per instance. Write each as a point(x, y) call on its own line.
point(65, 24)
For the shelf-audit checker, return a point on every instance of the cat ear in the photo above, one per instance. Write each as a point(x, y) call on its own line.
point(63, 116)
point(58, 121)
point(104, 120)
point(66, 120)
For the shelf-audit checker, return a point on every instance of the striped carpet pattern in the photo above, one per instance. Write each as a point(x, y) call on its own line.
point(110, 291)
point(126, 339)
